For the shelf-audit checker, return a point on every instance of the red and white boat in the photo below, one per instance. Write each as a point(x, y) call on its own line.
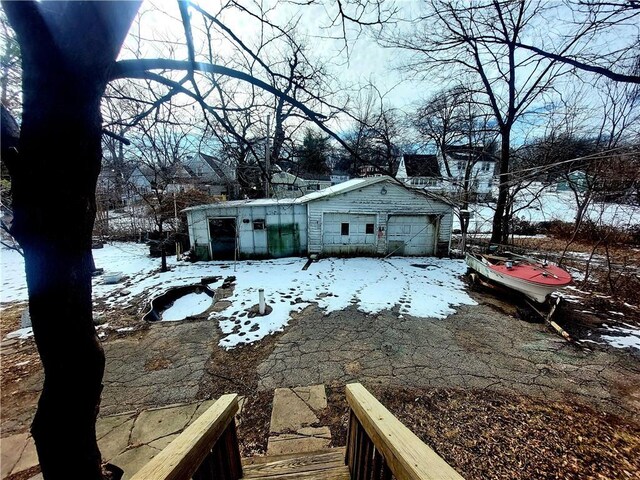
point(536, 280)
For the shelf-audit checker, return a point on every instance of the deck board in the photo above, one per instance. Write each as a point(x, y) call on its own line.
point(320, 465)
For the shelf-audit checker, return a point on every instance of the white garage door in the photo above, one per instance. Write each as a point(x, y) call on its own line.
point(410, 235)
point(346, 233)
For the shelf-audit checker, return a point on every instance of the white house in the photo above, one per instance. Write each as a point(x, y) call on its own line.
point(420, 171)
point(482, 164)
point(431, 172)
point(365, 216)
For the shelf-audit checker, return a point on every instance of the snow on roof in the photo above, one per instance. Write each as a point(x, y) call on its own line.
point(343, 187)
point(241, 203)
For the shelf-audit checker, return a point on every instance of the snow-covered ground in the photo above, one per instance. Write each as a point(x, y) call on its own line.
point(422, 287)
point(552, 205)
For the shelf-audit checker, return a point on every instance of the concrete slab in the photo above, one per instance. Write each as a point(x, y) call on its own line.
point(164, 441)
point(29, 457)
point(291, 411)
point(314, 396)
point(153, 424)
point(134, 459)
point(11, 449)
point(104, 425)
point(314, 439)
point(117, 440)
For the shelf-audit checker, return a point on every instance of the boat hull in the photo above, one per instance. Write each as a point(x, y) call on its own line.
point(534, 291)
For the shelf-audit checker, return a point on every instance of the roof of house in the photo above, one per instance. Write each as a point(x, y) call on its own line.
point(464, 152)
point(216, 165)
point(421, 165)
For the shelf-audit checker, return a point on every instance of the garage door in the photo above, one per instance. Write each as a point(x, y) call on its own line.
point(410, 235)
point(346, 233)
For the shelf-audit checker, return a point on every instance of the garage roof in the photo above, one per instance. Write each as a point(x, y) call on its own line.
point(340, 188)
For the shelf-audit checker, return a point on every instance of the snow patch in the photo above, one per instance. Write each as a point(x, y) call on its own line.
point(186, 306)
point(624, 337)
point(21, 333)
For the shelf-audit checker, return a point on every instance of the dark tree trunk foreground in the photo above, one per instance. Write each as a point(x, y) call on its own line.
point(67, 50)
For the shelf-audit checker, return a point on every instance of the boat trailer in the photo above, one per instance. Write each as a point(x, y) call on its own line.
point(552, 304)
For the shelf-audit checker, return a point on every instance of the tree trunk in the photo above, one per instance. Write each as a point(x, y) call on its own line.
point(54, 205)
point(497, 233)
point(67, 50)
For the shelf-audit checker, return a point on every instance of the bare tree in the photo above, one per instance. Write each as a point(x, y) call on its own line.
point(483, 40)
point(441, 120)
point(596, 36)
point(10, 71)
point(376, 136)
point(69, 54)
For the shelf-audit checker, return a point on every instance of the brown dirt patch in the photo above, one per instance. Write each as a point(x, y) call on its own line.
point(236, 370)
point(253, 430)
point(157, 364)
point(485, 435)
point(10, 318)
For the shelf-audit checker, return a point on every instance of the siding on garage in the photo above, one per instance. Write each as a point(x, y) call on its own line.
point(369, 200)
point(264, 229)
point(355, 240)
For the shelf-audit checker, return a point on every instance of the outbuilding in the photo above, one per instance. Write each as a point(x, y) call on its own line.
point(364, 216)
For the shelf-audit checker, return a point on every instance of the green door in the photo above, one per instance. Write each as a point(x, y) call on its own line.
point(283, 240)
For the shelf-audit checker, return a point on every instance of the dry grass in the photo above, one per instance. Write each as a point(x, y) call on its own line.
point(486, 435)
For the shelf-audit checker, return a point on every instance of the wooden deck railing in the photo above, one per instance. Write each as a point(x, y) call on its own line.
point(206, 450)
point(379, 446)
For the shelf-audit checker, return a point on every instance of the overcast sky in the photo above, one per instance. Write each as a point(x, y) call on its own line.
point(366, 61)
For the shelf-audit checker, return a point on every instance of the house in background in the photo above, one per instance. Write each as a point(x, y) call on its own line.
point(212, 175)
point(573, 181)
point(363, 216)
point(420, 171)
point(481, 162)
point(338, 176)
point(429, 172)
point(288, 185)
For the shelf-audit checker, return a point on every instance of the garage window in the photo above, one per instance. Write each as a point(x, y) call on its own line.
point(344, 229)
point(258, 224)
point(369, 229)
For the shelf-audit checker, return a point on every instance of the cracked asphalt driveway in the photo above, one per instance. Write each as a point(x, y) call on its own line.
point(477, 348)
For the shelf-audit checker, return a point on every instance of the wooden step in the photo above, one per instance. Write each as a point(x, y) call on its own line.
point(325, 464)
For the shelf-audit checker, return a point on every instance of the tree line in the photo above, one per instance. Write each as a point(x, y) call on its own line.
point(512, 63)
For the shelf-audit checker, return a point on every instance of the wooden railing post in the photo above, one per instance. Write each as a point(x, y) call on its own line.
point(206, 450)
point(380, 446)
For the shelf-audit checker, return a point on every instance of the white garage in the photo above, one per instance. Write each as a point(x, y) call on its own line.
point(411, 235)
point(364, 216)
point(348, 233)
point(377, 216)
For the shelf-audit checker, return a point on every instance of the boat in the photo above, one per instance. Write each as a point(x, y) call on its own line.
point(535, 279)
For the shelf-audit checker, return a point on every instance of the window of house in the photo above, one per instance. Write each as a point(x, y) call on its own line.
point(486, 166)
point(258, 224)
point(344, 229)
point(369, 229)
point(460, 165)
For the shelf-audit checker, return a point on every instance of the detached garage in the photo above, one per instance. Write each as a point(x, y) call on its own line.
point(366, 216)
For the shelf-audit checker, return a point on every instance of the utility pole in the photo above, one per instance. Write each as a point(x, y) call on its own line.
point(267, 167)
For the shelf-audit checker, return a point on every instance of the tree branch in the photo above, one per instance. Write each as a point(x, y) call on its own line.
point(618, 77)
